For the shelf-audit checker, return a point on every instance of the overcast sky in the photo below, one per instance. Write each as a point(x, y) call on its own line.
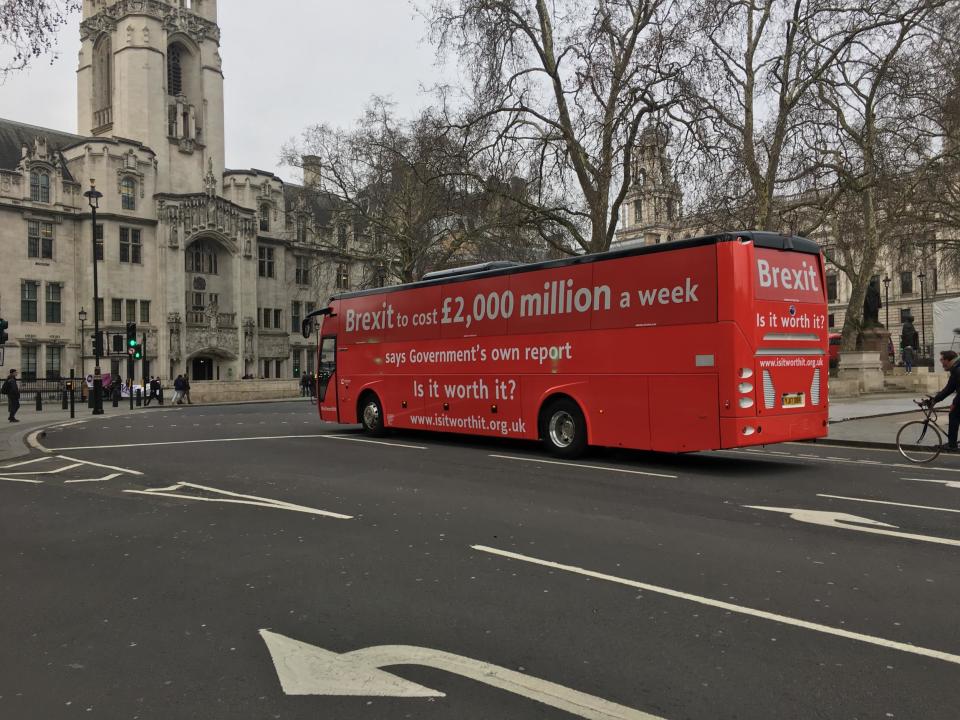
point(288, 64)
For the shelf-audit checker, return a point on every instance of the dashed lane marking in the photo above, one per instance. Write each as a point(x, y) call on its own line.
point(585, 467)
point(955, 484)
point(239, 439)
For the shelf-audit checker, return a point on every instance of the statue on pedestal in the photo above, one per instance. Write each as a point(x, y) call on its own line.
point(909, 335)
point(872, 305)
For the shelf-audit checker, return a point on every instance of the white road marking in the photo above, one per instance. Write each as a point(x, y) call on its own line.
point(111, 476)
point(25, 462)
point(887, 502)
point(839, 520)
point(171, 492)
point(108, 467)
point(22, 480)
point(585, 467)
point(47, 472)
point(955, 484)
point(305, 669)
point(741, 609)
point(239, 439)
point(843, 460)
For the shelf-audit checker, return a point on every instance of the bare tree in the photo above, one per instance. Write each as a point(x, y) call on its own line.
point(878, 134)
point(563, 88)
point(404, 195)
point(28, 29)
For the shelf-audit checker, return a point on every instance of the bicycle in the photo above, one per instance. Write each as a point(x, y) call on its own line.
point(921, 441)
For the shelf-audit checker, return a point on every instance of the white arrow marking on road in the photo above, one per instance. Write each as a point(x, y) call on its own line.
point(47, 472)
point(171, 492)
point(25, 462)
point(306, 669)
point(840, 520)
point(955, 484)
point(888, 502)
point(22, 480)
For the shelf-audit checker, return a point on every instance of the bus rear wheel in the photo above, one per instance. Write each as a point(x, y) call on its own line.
point(371, 415)
point(563, 429)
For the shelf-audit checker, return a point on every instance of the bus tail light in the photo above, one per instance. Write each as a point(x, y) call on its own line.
point(746, 402)
point(748, 430)
point(769, 391)
point(746, 373)
point(815, 388)
point(745, 388)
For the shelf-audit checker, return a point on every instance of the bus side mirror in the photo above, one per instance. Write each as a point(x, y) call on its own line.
point(306, 328)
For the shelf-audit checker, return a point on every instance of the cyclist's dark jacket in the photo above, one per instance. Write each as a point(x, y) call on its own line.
point(953, 384)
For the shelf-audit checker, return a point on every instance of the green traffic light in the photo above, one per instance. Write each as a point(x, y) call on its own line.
point(132, 343)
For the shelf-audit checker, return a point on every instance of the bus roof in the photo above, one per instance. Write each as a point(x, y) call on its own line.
point(759, 238)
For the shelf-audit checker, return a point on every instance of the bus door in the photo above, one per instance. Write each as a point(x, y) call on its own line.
point(327, 380)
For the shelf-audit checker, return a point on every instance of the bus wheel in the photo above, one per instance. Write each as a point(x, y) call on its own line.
point(563, 429)
point(371, 415)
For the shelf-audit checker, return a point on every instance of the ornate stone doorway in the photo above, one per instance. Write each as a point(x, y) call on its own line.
point(201, 368)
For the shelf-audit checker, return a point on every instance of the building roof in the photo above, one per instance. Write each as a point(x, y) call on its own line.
point(14, 135)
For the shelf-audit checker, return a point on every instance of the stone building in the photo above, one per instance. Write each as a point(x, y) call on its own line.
point(217, 267)
point(909, 282)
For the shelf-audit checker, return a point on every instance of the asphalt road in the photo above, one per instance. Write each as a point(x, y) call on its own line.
point(220, 562)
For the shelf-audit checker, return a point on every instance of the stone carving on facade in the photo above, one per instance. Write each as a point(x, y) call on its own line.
point(248, 329)
point(185, 216)
point(174, 19)
point(173, 323)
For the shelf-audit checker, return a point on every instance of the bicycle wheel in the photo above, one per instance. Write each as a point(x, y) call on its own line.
point(919, 441)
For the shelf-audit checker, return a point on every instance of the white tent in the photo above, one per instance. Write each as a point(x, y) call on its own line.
point(946, 325)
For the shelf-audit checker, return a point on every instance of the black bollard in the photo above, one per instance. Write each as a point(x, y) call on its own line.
point(139, 398)
point(39, 401)
point(65, 399)
point(116, 399)
point(72, 387)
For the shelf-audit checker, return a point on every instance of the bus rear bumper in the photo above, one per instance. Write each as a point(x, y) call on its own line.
point(742, 432)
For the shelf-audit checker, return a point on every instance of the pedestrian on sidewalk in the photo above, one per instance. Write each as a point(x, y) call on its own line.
point(907, 355)
point(178, 390)
point(12, 391)
point(950, 363)
point(151, 386)
point(186, 389)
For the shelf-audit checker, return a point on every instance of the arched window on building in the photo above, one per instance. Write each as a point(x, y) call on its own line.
point(201, 257)
point(103, 82)
point(128, 194)
point(39, 186)
point(174, 71)
point(265, 218)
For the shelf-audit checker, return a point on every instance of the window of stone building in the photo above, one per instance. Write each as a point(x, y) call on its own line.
point(278, 367)
point(128, 194)
point(100, 310)
point(295, 316)
point(265, 264)
point(39, 239)
point(54, 304)
point(831, 320)
point(131, 249)
point(637, 211)
point(831, 287)
point(342, 237)
point(116, 310)
point(202, 258)
point(277, 318)
point(131, 310)
point(297, 358)
point(54, 362)
point(102, 80)
point(906, 282)
point(198, 301)
point(98, 239)
point(28, 300)
point(174, 71)
point(303, 270)
point(28, 359)
point(39, 186)
point(266, 368)
point(265, 218)
point(267, 315)
point(343, 277)
point(301, 228)
point(213, 298)
point(144, 311)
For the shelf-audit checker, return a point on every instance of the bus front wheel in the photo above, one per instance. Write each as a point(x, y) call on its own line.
point(371, 415)
point(563, 429)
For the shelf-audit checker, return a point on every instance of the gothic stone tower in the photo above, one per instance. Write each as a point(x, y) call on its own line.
point(151, 71)
point(651, 208)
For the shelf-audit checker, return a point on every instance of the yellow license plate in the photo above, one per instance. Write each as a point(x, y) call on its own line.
point(794, 400)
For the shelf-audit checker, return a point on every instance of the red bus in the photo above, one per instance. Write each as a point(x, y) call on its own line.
point(707, 343)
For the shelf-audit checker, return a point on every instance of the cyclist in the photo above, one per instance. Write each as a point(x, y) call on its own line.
point(950, 363)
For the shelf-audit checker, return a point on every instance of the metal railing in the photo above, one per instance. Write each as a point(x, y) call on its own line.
point(50, 390)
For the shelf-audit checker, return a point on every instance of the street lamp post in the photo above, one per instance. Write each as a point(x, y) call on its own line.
point(923, 330)
point(93, 197)
point(886, 298)
point(83, 333)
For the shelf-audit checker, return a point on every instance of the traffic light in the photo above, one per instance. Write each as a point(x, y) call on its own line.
point(3, 331)
point(131, 338)
point(140, 349)
point(97, 339)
